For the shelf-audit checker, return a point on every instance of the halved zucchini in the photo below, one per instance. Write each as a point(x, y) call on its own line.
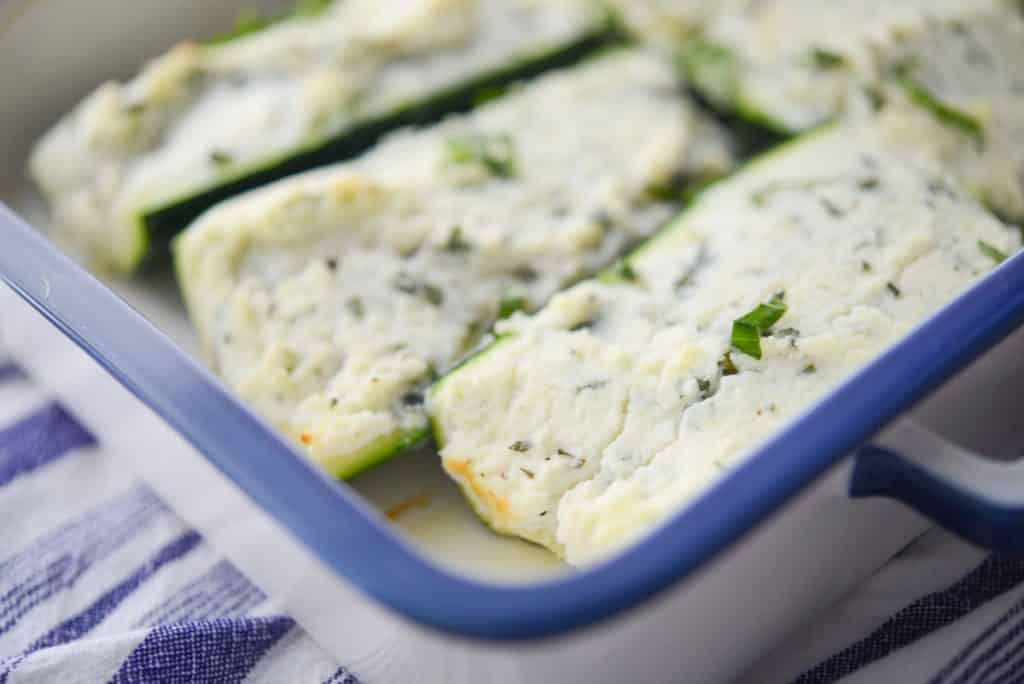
point(627, 395)
point(328, 299)
point(790, 65)
point(137, 161)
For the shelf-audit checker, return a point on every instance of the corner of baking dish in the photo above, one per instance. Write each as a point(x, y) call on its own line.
point(331, 521)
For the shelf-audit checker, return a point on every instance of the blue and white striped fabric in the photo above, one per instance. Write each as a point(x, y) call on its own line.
point(100, 582)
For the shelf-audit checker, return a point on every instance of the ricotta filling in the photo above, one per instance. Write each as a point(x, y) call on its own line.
point(794, 63)
point(328, 299)
point(204, 114)
point(628, 395)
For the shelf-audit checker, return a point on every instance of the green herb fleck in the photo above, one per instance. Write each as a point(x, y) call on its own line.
point(333, 403)
point(809, 369)
point(520, 445)
point(748, 329)
point(584, 325)
point(704, 385)
point(412, 398)
point(866, 266)
point(826, 59)
point(924, 98)
point(528, 473)
point(526, 274)
point(355, 307)
point(433, 294)
point(896, 292)
point(595, 385)
point(220, 157)
point(994, 253)
point(456, 243)
point(621, 272)
point(727, 365)
point(509, 305)
point(495, 152)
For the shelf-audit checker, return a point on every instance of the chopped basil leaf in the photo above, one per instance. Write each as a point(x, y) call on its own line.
point(520, 445)
point(748, 329)
point(495, 152)
point(826, 59)
point(994, 253)
point(747, 339)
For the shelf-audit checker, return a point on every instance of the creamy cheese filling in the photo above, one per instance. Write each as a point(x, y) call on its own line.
point(628, 395)
point(204, 114)
point(960, 101)
point(795, 63)
point(328, 299)
point(667, 23)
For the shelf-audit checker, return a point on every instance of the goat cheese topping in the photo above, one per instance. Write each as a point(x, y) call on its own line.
point(203, 115)
point(329, 298)
point(627, 395)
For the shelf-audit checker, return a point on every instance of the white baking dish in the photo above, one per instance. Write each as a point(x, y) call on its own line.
point(437, 597)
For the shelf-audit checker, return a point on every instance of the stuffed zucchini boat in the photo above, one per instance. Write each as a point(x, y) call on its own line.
point(330, 299)
point(946, 73)
point(135, 162)
point(627, 395)
point(793, 64)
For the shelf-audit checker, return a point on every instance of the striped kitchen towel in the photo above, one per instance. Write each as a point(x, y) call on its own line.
point(100, 582)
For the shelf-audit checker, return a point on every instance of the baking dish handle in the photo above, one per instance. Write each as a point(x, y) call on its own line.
point(979, 499)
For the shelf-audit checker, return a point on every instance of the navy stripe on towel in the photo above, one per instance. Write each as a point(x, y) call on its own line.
point(39, 439)
point(342, 676)
point(220, 592)
point(56, 561)
point(220, 651)
point(10, 372)
point(80, 625)
point(987, 664)
point(995, 576)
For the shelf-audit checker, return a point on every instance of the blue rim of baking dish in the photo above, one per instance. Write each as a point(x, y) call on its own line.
point(354, 542)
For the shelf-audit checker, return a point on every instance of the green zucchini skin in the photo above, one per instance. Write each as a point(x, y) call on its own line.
point(161, 224)
point(385, 448)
